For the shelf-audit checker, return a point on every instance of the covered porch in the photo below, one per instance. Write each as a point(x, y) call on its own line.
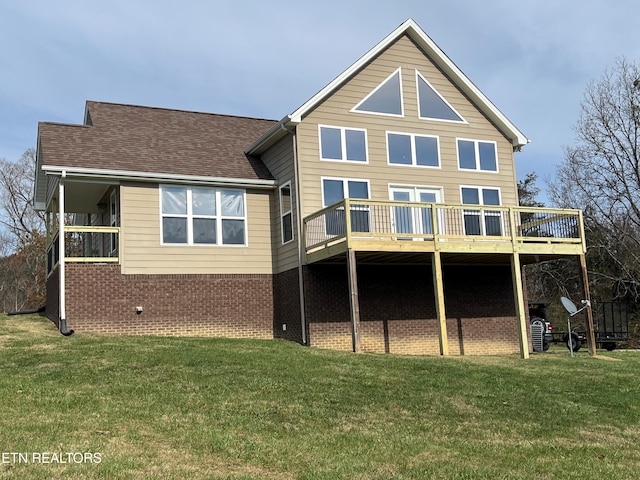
point(441, 236)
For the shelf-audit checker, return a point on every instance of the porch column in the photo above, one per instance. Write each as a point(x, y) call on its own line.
point(438, 288)
point(354, 304)
point(516, 276)
point(591, 338)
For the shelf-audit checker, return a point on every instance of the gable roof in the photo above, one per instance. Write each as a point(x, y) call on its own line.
point(429, 47)
point(146, 142)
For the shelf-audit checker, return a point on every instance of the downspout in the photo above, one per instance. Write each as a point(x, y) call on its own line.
point(62, 324)
point(301, 246)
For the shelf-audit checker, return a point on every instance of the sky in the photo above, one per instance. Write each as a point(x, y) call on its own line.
point(532, 58)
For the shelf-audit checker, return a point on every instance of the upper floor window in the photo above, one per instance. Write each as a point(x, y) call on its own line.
point(202, 216)
point(339, 143)
point(432, 105)
point(385, 99)
point(286, 212)
point(477, 155)
point(411, 149)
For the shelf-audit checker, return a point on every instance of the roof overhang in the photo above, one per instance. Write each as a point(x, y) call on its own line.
point(120, 175)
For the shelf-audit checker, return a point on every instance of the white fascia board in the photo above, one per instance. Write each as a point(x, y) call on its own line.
point(116, 175)
point(411, 28)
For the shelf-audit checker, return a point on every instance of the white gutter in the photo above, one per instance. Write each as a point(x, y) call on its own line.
point(108, 174)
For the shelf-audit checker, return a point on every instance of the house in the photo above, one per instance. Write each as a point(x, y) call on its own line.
point(381, 215)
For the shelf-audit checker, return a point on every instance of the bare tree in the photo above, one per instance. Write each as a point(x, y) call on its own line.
point(601, 175)
point(17, 214)
point(22, 249)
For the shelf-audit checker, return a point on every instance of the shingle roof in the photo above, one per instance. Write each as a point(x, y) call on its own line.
point(156, 140)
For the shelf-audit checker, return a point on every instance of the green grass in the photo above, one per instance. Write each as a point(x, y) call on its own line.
point(165, 408)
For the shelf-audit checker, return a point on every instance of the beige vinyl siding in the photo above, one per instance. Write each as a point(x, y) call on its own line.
point(142, 253)
point(279, 160)
point(335, 111)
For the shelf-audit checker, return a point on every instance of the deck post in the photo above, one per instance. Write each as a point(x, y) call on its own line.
point(591, 338)
point(438, 287)
point(353, 299)
point(516, 276)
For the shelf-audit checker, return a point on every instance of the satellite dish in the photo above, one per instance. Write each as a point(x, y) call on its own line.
point(569, 305)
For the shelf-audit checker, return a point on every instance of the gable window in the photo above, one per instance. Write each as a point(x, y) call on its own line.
point(286, 213)
point(432, 105)
point(338, 143)
point(336, 189)
point(202, 216)
point(410, 149)
point(385, 99)
point(477, 155)
point(481, 222)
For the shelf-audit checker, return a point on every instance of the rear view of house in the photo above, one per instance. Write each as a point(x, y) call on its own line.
point(382, 215)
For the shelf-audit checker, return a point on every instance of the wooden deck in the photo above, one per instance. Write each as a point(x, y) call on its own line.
point(396, 231)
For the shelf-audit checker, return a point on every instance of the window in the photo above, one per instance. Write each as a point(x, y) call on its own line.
point(481, 222)
point(337, 143)
point(477, 155)
point(409, 219)
point(203, 216)
point(432, 105)
point(410, 149)
point(337, 189)
point(385, 99)
point(286, 213)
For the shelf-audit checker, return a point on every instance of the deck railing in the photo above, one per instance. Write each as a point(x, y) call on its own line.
point(400, 221)
point(85, 244)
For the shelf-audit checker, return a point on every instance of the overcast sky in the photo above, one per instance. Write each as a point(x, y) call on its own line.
point(259, 58)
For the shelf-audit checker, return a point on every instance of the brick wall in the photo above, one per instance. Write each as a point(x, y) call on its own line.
point(397, 309)
point(286, 287)
point(100, 299)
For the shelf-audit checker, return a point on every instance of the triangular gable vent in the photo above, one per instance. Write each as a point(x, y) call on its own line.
point(385, 99)
point(432, 105)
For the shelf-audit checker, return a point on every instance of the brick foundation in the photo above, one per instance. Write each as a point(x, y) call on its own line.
point(100, 299)
point(397, 309)
point(287, 306)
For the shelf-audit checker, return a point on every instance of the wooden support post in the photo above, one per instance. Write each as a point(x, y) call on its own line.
point(591, 338)
point(438, 288)
point(516, 275)
point(353, 300)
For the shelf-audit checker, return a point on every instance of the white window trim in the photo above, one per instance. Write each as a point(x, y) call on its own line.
point(481, 213)
point(476, 145)
point(434, 188)
point(413, 150)
point(419, 75)
point(283, 213)
point(345, 186)
point(343, 144)
point(366, 112)
point(218, 217)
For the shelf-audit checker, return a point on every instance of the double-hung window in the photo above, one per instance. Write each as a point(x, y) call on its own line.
point(337, 189)
point(343, 144)
point(411, 149)
point(482, 222)
point(286, 212)
point(202, 216)
point(477, 155)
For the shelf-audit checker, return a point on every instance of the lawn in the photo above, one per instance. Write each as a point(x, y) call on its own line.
point(172, 408)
